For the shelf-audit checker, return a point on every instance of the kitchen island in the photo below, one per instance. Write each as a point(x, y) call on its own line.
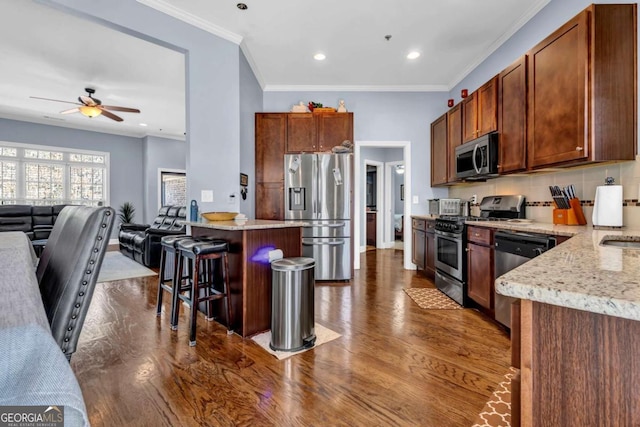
point(250, 271)
point(579, 335)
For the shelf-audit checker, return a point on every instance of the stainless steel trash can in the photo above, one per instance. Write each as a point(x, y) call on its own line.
point(292, 299)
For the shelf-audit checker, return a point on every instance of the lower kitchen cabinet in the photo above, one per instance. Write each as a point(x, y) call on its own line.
point(480, 270)
point(423, 246)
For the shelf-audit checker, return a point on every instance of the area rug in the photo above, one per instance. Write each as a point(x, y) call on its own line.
point(497, 411)
point(432, 299)
point(323, 335)
point(116, 266)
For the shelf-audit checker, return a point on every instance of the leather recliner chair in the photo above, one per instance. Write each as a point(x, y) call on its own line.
point(141, 242)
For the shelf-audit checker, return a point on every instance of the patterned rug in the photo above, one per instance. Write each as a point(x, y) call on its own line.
point(497, 411)
point(432, 299)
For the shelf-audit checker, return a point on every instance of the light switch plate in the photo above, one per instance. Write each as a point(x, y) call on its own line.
point(415, 200)
point(206, 196)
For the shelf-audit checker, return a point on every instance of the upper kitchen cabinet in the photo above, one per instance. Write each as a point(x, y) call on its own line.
point(582, 89)
point(301, 133)
point(512, 117)
point(271, 137)
point(454, 138)
point(480, 111)
point(317, 132)
point(439, 151)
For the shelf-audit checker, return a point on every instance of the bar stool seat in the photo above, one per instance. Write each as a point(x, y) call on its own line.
point(165, 283)
point(202, 254)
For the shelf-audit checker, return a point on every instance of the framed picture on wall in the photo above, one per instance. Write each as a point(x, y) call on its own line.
point(401, 191)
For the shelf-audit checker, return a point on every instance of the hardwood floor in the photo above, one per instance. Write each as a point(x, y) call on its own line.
point(395, 363)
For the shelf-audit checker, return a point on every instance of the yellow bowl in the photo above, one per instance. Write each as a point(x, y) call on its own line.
point(219, 216)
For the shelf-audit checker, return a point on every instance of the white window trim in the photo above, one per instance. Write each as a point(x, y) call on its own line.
point(66, 162)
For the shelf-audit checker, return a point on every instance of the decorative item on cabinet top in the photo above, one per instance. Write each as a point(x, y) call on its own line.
point(345, 147)
point(300, 108)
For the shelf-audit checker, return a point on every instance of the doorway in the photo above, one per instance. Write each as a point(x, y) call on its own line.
point(360, 194)
point(374, 205)
point(394, 200)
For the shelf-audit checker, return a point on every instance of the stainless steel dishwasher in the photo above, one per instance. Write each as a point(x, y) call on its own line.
point(512, 249)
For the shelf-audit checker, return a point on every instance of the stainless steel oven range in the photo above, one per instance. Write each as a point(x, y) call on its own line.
point(451, 242)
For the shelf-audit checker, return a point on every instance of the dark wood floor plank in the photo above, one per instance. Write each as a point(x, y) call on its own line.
point(395, 363)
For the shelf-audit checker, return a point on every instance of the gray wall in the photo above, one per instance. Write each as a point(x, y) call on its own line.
point(250, 103)
point(212, 91)
point(385, 116)
point(125, 155)
point(159, 153)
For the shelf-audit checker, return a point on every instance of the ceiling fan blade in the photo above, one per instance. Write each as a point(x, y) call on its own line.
point(54, 100)
point(88, 101)
point(111, 115)
point(72, 110)
point(123, 109)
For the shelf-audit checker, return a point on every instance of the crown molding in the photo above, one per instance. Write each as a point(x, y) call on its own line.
point(252, 64)
point(356, 88)
point(165, 7)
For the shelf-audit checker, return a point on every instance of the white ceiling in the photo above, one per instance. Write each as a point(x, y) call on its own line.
point(55, 55)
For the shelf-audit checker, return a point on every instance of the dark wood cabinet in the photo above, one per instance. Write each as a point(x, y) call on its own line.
point(439, 158)
point(279, 133)
point(317, 132)
point(454, 139)
point(480, 111)
point(582, 96)
point(430, 252)
point(418, 243)
point(480, 270)
point(371, 229)
point(512, 117)
point(301, 133)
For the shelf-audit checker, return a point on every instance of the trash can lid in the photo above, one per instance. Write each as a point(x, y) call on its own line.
point(293, 264)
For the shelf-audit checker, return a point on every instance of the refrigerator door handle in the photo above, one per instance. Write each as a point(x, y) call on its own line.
point(310, 242)
point(337, 225)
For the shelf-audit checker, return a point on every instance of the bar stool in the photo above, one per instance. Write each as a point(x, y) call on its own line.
point(168, 244)
point(202, 254)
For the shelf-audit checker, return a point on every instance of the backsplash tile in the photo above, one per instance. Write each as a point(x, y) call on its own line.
point(535, 188)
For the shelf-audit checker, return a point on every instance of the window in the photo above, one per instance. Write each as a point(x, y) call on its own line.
point(36, 175)
point(173, 188)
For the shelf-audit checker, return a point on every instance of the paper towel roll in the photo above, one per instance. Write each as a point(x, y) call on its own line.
point(607, 208)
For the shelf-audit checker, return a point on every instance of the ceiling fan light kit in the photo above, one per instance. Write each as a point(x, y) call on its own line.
point(90, 112)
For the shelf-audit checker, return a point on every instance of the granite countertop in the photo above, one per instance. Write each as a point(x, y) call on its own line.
point(246, 224)
point(580, 273)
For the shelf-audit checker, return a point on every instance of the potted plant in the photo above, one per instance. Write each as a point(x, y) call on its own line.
point(126, 213)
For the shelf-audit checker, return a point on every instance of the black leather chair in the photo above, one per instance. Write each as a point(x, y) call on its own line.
point(142, 241)
point(69, 267)
point(36, 221)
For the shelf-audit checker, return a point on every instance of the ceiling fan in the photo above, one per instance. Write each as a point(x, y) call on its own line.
point(92, 107)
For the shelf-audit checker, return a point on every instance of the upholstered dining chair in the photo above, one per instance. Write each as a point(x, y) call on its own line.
point(69, 267)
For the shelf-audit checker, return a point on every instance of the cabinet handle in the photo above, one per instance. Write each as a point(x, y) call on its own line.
point(476, 234)
point(579, 148)
point(499, 166)
point(467, 249)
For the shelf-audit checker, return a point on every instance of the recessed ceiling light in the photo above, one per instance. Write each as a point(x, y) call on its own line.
point(242, 6)
point(319, 56)
point(143, 124)
point(413, 55)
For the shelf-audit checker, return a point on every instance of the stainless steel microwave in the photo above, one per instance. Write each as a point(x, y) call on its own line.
point(478, 159)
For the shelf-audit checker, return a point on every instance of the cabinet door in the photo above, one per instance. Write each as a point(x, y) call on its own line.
point(271, 134)
point(439, 151)
point(333, 129)
point(454, 137)
point(512, 116)
point(430, 254)
point(480, 274)
point(270, 201)
point(470, 117)
point(559, 95)
point(418, 248)
point(488, 107)
point(301, 133)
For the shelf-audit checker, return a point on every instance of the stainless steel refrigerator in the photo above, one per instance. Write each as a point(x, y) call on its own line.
point(318, 191)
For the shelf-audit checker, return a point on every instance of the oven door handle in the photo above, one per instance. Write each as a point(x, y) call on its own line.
point(445, 234)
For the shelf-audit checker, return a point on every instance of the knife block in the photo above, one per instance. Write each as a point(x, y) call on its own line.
point(573, 216)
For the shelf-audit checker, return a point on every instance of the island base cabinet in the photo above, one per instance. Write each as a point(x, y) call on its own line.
point(578, 368)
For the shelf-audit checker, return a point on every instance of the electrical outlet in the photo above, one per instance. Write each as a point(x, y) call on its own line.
point(416, 200)
point(474, 199)
point(232, 198)
point(206, 196)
